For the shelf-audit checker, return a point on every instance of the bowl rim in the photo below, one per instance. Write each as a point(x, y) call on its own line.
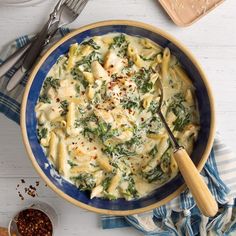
point(67, 37)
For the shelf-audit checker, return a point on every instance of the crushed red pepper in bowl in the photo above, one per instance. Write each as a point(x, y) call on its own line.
point(32, 222)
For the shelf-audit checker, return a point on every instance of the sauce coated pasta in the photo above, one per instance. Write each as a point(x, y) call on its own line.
point(97, 119)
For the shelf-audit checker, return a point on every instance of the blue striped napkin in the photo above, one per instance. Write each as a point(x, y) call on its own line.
point(178, 217)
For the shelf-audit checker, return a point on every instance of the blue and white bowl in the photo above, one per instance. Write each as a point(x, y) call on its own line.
point(68, 191)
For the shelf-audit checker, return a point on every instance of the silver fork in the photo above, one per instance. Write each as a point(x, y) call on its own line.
point(70, 10)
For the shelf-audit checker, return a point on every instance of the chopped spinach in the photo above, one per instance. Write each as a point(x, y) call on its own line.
point(121, 43)
point(51, 82)
point(87, 60)
point(183, 115)
point(71, 163)
point(153, 151)
point(120, 150)
point(181, 122)
point(153, 108)
point(118, 41)
point(78, 75)
point(77, 88)
point(147, 59)
point(131, 191)
point(128, 104)
point(84, 181)
point(154, 175)
point(106, 182)
point(142, 80)
point(77, 123)
point(91, 43)
point(64, 105)
point(165, 160)
point(44, 98)
point(110, 196)
point(42, 133)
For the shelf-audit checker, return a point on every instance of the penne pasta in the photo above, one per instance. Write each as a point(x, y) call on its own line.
point(53, 148)
point(165, 63)
point(62, 157)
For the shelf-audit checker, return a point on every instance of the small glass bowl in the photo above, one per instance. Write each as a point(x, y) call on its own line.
point(41, 206)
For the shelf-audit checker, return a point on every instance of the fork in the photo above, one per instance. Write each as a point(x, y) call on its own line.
point(70, 10)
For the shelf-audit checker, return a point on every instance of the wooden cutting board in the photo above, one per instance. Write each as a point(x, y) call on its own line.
point(186, 12)
point(3, 231)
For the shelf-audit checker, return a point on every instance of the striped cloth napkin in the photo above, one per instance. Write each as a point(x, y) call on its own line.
point(178, 217)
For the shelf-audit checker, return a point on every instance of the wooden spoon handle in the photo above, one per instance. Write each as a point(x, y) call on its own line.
point(202, 195)
point(3, 231)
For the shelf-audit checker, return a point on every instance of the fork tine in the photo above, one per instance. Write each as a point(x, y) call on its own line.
point(80, 6)
point(71, 3)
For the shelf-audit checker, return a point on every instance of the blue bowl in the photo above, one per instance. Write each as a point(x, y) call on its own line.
point(68, 191)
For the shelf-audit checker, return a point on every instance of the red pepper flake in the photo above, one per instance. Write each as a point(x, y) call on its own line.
point(31, 222)
point(20, 195)
point(142, 119)
point(94, 148)
point(82, 92)
point(58, 99)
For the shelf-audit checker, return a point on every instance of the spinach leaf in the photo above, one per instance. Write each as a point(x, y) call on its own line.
point(131, 191)
point(153, 152)
point(77, 123)
point(153, 107)
point(106, 182)
point(142, 80)
point(51, 82)
point(42, 133)
point(91, 43)
point(181, 122)
point(120, 150)
point(181, 112)
point(128, 104)
point(84, 181)
point(154, 175)
point(71, 163)
point(147, 59)
point(87, 61)
point(44, 98)
point(121, 43)
point(64, 105)
point(78, 75)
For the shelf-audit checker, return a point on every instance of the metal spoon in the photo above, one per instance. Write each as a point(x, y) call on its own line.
point(202, 195)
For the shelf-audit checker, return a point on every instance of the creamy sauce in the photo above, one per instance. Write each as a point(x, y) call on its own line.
point(97, 115)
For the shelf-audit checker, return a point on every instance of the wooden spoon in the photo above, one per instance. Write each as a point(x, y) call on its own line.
point(194, 181)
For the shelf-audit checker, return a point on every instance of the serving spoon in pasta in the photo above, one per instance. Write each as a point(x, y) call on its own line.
point(202, 195)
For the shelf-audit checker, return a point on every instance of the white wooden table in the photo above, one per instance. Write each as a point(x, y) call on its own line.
point(212, 40)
